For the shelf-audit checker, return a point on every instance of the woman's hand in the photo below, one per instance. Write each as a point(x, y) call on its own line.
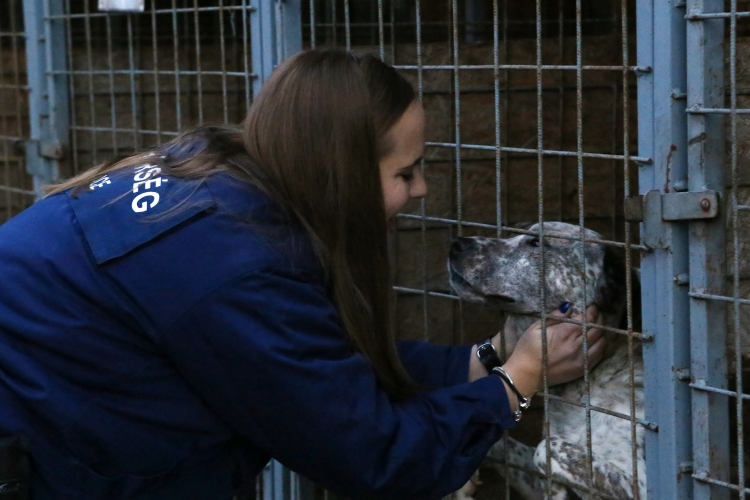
point(564, 352)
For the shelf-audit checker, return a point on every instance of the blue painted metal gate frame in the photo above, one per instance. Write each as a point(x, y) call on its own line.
point(689, 438)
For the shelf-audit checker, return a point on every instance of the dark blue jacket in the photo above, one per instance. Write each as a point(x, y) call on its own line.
point(156, 348)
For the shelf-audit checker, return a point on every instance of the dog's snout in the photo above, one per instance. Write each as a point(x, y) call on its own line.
point(462, 245)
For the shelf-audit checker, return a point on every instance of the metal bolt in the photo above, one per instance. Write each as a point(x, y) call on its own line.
point(685, 467)
point(701, 475)
point(680, 186)
point(705, 204)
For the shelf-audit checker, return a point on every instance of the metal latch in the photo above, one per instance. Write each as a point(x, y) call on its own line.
point(654, 208)
point(674, 206)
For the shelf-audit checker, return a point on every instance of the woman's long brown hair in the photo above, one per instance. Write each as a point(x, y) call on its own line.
point(312, 140)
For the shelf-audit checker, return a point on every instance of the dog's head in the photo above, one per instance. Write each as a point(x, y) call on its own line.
point(507, 272)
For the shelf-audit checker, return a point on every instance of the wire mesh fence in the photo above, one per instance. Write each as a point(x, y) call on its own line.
point(16, 191)
point(137, 80)
point(726, 384)
point(532, 116)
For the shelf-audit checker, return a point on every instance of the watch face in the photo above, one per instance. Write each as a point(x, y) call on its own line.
point(486, 348)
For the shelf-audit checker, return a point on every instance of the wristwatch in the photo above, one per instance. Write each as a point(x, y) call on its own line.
point(488, 355)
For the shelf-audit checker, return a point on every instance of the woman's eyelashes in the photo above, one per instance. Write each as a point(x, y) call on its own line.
point(407, 173)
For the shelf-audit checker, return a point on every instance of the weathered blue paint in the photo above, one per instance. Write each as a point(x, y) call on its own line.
point(705, 134)
point(662, 137)
point(275, 33)
point(48, 90)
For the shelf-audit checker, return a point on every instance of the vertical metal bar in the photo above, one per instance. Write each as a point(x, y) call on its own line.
point(281, 482)
point(90, 68)
point(268, 46)
point(705, 87)
point(498, 154)
point(246, 53)
point(627, 239)
point(457, 148)
point(176, 49)
point(199, 76)
point(290, 36)
point(738, 360)
point(48, 89)
point(71, 91)
point(422, 203)
point(393, 33)
point(5, 157)
point(498, 182)
point(560, 105)
point(222, 50)
point(457, 114)
point(267, 476)
point(263, 41)
point(347, 26)
point(24, 199)
point(155, 55)
point(506, 107)
point(540, 220)
point(112, 101)
point(131, 76)
point(662, 137)
point(581, 221)
point(615, 95)
point(381, 36)
point(312, 24)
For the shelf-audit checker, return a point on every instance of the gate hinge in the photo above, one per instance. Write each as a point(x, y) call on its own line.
point(674, 206)
point(46, 149)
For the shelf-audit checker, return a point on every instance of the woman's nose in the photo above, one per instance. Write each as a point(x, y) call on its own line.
point(418, 185)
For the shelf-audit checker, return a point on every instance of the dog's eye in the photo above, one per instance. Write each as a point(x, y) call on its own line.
point(533, 242)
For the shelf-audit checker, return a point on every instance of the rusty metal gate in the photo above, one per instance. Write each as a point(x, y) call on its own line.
point(624, 116)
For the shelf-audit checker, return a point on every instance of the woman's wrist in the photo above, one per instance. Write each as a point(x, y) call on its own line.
point(512, 398)
point(525, 374)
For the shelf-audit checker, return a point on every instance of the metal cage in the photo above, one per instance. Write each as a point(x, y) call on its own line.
point(626, 116)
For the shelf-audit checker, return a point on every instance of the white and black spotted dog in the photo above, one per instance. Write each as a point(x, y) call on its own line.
point(506, 273)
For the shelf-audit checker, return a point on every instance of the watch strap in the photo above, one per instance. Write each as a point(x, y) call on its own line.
point(488, 355)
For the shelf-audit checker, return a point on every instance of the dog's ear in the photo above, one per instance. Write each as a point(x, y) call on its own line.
point(613, 286)
point(613, 291)
point(635, 282)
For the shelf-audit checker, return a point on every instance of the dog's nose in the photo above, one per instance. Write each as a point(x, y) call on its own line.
point(462, 245)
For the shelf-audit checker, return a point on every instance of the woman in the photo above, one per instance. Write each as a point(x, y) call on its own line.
point(178, 317)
